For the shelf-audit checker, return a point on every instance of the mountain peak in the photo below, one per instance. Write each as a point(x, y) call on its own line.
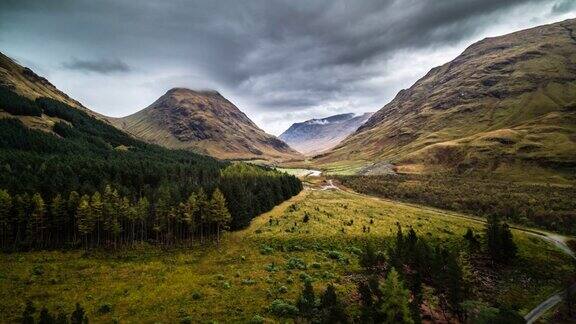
point(206, 122)
point(317, 135)
point(200, 92)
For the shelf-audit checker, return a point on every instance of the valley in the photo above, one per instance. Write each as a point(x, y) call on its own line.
point(454, 203)
point(270, 260)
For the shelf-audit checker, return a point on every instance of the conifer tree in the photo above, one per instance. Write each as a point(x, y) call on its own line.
point(307, 301)
point(203, 213)
point(37, 224)
point(96, 214)
point(367, 301)
point(143, 210)
point(331, 309)
point(509, 248)
point(84, 218)
point(5, 218)
point(190, 211)
point(78, 316)
point(46, 317)
point(28, 314)
point(59, 215)
point(71, 209)
point(218, 212)
point(395, 301)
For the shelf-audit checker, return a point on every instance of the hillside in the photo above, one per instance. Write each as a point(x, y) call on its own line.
point(317, 135)
point(505, 104)
point(25, 82)
point(70, 179)
point(206, 122)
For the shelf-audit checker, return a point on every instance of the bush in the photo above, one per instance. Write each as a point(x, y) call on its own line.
point(257, 319)
point(281, 308)
point(296, 263)
point(335, 255)
point(272, 267)
point(266, 249)
point(104, 309)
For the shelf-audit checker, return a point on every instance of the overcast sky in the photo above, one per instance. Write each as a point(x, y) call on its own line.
point(278, 61)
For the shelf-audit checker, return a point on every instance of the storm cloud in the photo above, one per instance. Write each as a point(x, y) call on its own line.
point(103, 66)
point(279, 61)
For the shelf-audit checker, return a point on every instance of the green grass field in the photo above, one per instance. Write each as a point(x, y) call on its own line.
point(239, 279)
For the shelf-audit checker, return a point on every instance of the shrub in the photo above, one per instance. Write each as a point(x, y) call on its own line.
point(281, 308)
point(296, 263)
point(104, 309)
point(256, 319)
point(272, 267)
point(335, 255)
point(266, 249)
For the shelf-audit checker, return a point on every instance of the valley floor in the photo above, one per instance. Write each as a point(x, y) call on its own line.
point(238, 279)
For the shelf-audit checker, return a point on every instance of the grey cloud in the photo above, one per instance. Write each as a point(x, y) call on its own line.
point(104, 66)
point(272, 55)
point(564, 6)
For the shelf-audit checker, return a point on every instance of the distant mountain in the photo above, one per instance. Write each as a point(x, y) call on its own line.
point(206, 122)
point(317, 135)
point(505, 104)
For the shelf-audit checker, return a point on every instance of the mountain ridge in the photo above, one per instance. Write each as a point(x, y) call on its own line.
point(504, 101)
point(317, 135)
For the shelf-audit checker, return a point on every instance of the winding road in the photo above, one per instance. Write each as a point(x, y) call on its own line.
point(556, 239)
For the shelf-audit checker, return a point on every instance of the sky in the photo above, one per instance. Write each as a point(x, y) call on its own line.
point(279, 61)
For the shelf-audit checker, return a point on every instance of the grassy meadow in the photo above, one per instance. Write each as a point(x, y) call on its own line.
point(238, 279)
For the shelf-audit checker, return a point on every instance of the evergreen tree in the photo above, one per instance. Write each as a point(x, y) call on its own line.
point(395, 301)
point(59, 216)
point(509, 248)
point(84, 218)
point(500, 242)
point(190, 211)
point(143, 211)
point(5, 218)
point(78, 316)
point(97, 215)
point(203, 211)
point(307, 301)
point(37, 224)
point(46, 317)
point(28, 314)
point(332, 311)
point(473, 242)
point(218, 212)
point(62, 318)
point(368, 258)
point(367, 303)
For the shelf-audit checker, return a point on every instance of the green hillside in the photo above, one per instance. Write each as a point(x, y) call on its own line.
point(82, 181)
point(505, 104)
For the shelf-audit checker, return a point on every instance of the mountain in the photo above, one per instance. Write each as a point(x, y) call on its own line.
point(59, 162)
point(317, 135)
point(206, 122)
point(506, 103)
point(23, 82)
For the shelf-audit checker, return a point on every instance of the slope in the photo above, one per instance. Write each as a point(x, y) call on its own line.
point(317, 135)
point(206, 122)
point(504, 104)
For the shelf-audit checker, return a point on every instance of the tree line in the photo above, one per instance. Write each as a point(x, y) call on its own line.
point(109, 220)
point(90, 182)
point(547, 206)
